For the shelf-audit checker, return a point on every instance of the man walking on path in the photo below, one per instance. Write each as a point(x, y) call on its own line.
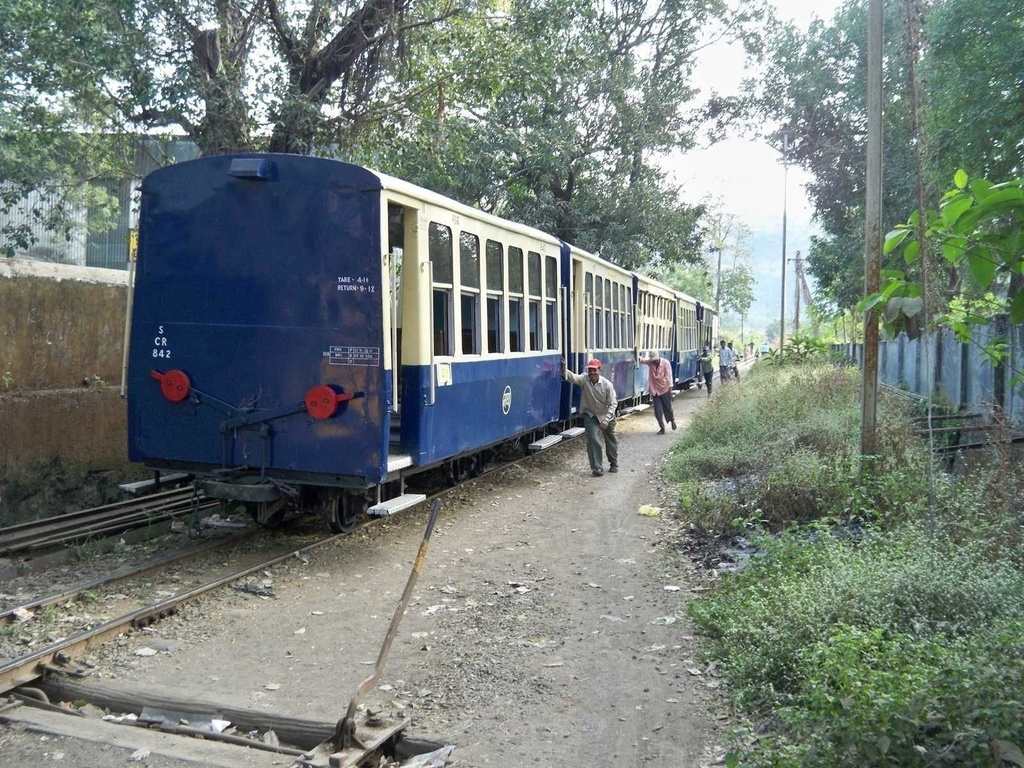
point(598, 402)
point(726, 357)
point(707, 368)
point(660, 384)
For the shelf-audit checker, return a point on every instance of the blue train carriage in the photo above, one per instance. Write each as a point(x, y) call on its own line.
point(656, 321)
point(306, 334)
point(480, 328)
point(707, 333)
point(690, 315)
point(601, 325)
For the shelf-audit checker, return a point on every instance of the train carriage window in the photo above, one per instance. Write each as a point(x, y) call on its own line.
point(469, 260)
point(627, 342)
point(515, 270)
point(439, 244)
point(551, 303)
point(533, 284)
point(442, 322)
point(598, 313)
point(535, 329)
point(470, 323)
point(495, 331)
point(515, 300)
point(495, 269)
point(533, 273)
point(515, 325)
point(609, 290)
point(469, 278)
point(614, 319)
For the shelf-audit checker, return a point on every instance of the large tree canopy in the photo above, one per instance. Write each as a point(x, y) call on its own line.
point(971, 68)
point(816, 84)
point(567, 135)
point(551, 112)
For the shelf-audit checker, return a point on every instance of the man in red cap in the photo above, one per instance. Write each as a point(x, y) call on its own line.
point(659, 382)
point(598, 403)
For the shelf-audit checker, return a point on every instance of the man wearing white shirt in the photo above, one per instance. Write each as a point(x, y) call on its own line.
point(726, 358)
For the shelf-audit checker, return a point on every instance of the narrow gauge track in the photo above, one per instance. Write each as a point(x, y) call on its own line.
point(60, 655)
point(11, 615)
point(99, 522)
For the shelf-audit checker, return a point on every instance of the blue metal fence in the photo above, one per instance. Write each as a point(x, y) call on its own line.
point(938, 364)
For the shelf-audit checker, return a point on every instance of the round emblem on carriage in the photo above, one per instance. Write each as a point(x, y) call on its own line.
point(506, 400)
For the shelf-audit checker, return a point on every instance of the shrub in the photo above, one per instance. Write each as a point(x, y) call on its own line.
point(869, 653)
point(789, 438)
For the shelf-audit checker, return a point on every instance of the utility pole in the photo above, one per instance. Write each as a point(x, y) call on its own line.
point(785, 187)
point(718, 284)
point(797, 287)
point(872, 228)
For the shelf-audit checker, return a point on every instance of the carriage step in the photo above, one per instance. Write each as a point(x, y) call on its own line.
point(573, 432)
point(546, 442)
point(399, 461)
point(397, 504)
point(154, 483)
point(638, 408)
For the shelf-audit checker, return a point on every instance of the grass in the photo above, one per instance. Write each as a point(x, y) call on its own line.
point(883, 621)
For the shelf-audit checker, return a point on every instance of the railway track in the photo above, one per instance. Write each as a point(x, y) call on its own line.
point(100, 522)
point(61, 654)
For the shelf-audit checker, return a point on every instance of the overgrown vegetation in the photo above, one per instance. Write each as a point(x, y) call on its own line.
point(873, 628)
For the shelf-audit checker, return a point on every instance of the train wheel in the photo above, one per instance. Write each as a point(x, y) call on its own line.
point(348, 509)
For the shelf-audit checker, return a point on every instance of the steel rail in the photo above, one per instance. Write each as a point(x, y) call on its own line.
point(10, 615)
point(58, 655)
point(99, 521)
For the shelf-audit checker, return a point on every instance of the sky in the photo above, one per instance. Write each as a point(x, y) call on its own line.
point(748, 176)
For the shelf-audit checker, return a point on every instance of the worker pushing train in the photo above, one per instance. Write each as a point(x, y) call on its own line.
point(598, 402)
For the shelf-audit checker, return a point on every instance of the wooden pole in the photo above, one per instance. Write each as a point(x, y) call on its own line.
point(872, 227)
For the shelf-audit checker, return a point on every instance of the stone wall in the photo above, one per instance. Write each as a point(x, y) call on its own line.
point(61, 359)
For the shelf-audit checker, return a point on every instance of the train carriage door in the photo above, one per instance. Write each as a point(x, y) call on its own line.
point(393, 269)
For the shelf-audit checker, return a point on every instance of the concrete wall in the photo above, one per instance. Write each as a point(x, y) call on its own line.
point(61, 356)
point(60, 325)
point(938, 363)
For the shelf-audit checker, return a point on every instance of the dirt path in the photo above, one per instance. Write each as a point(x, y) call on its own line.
point(537, 635)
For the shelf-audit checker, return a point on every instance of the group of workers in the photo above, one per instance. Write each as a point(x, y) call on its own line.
point(598, 401)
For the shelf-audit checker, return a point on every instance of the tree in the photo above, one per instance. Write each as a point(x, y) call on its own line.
point(55, 116)
point(550, 112)
point(971, 115)
point(566, 137)
point(815, 83)
point(975, 66)
point(979, 230)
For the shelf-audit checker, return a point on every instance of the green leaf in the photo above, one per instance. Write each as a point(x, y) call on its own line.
point(869, 302)
point(1017, 309)
point(960, 178)
point(982, 265)
point(894, 238)
point(912, 252)
point(981, 189)
point(954, 249)
point(952, 210)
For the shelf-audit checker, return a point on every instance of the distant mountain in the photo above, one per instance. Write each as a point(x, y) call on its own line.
point(766, 264)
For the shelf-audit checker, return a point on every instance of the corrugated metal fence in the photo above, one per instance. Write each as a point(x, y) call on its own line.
point(938, 364)
point(79, 247)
